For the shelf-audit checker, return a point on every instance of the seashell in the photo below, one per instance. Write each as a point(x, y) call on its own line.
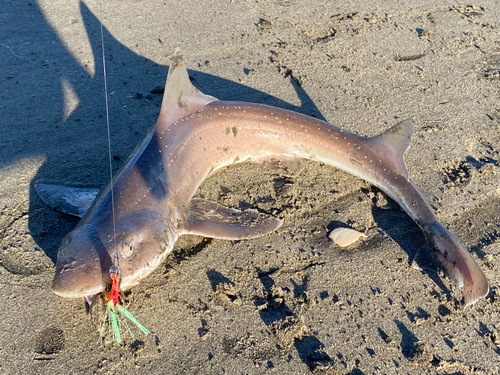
point(345, 236)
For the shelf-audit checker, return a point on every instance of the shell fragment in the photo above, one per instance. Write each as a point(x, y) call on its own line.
point(345, 236)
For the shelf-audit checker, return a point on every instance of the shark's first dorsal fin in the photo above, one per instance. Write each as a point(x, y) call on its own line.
point(393, 143)
point(181, 97)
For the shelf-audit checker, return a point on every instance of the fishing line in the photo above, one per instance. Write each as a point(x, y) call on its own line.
point(115, 314)
point(109, 134)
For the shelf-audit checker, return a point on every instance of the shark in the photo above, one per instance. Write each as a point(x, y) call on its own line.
point(135, 220)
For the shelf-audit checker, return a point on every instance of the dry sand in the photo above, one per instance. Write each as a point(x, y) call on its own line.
point(291, 302)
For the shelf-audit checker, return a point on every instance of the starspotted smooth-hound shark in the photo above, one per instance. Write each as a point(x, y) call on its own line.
point(196, 135)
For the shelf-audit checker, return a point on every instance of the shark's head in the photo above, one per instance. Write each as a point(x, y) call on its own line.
point(137, 244)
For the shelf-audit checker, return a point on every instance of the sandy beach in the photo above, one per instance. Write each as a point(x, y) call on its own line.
point(291, 302)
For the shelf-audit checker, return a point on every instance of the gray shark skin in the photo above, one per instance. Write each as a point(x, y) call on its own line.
point(195, 135)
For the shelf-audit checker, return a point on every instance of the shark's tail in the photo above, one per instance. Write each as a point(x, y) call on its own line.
point(458, 263)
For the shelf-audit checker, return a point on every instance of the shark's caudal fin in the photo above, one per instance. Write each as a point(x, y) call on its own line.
point(181, 97)
point(458, 263)
point(393, 143)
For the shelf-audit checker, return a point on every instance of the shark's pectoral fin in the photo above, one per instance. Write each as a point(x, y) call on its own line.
point(392, 144)
point(71, 199)
point(213, 220)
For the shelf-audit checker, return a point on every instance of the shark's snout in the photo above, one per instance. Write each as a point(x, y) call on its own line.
point(79, 266)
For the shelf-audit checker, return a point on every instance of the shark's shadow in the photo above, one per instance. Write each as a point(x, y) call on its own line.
point(76, 149)
point(403, 230)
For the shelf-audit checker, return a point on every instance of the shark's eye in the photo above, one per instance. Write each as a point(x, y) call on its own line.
point(127, 250)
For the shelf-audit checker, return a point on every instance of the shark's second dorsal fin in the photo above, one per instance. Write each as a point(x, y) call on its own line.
point(180, 98)
point(392, 144)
